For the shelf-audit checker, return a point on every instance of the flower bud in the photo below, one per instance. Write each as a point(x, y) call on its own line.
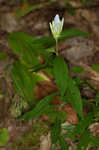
point(56, 26)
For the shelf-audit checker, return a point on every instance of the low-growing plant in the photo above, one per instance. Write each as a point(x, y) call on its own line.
point(26, 73)
point(4, 137)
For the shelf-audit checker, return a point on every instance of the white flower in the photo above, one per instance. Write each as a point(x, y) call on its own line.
point(56, 26)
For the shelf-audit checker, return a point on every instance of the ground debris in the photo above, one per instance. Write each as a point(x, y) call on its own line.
point(76, 48)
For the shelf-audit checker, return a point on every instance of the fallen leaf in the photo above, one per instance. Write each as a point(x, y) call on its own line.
point(71, 114)
point(45, 142)
point(44, 89)
point(94, 128)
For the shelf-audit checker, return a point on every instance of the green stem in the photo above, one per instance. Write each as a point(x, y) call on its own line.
point(57, 47)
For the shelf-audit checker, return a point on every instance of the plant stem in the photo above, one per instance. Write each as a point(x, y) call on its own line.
point(57, 47)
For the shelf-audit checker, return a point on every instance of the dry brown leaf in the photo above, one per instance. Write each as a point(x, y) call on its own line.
point(44, 89)
point(93, 74)
point(94, 128)
point(71, 114)
point(81, 46)
point(45, 142)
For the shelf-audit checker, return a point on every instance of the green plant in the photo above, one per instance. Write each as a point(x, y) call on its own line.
point(4, 136)
point(26, 74)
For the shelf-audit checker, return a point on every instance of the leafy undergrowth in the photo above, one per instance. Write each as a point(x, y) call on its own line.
point(31, 139)
point(29, 72)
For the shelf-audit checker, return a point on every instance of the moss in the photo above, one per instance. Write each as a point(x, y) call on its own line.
point(31, 139)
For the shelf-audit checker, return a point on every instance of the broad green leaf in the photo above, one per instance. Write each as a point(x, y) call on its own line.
point(95, 67)
point(94, 141)
point(23, 81)
point(68, 127)
point(78, 81)
point(4, 137)
point(77, 69)
point(3, 55)
point(48, 42)
point(27, 47)
point(17, 40)
point(87, 138)
point(1, 96)
point(49, 71)
point(97, 97)
point(54, 113)
point(96, 111)
point(56, 130)
point(84, 2)
point(83, 124)
point(73, 96)
point(56, 136)
point(63, 143)
point(84, 141)
point(60, 71)
point(39, 109)
point(68, 33)
point(23, 1)
point(73, 131)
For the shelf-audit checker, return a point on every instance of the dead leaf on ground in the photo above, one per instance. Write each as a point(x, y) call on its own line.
point(45, 88)
point(45, 142)
point(71, 114)
point(93, 74)
point(80, 46)
point(94, 128)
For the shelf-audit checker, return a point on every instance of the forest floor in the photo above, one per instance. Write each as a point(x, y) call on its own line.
point(27, 135)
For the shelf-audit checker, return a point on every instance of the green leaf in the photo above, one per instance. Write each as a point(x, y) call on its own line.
point(56, 130)
point(77, 69)
point(23, 81)
point(48, 71)
point(68, 127)
point(74, 131)
point(63, 143)
point(54, 113)
point(3, 55)
point(94, 141)
point(67, 33)
point(1, 96)
point(23, 1)
point(60, 71)
point(27, 47)
point(84, 141)
point(73, 96)
point(97, 97)
point(4, 137)
point(48, 41)
point(96, 111)
point(95, 67)
point(56, 136)
point(84, 2)
point(83, 124)
point(39, 109)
